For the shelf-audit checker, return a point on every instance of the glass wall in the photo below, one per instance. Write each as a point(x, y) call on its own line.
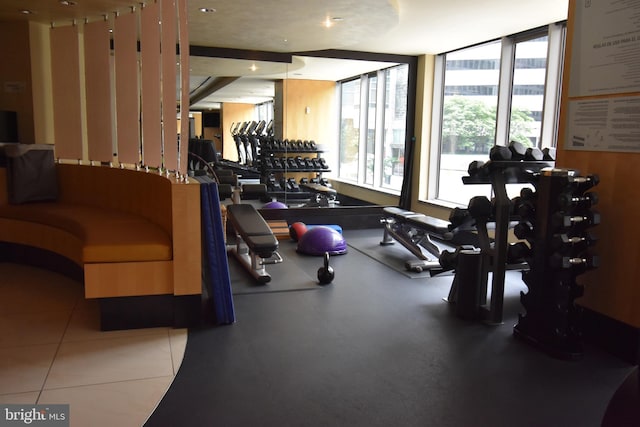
point(372, 139)
point(349, 129)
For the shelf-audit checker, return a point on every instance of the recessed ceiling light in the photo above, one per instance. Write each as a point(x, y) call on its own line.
point(329, 21)
point(26, 12)
point(207, 10)
point(253, 67)
point(68, 2)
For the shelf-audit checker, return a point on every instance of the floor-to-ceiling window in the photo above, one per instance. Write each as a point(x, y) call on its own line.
point(349, 129)
point(373, 118)
point(492, 93)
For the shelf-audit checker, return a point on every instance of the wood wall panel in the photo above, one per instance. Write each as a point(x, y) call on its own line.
point(611, 289)
point(169, 98)
point(98, 90)
point(126, 279)
point(183, 15)
point(187, 245)
point(151, 83)
point(67, 110)
point(309, 107)
point(127, 100)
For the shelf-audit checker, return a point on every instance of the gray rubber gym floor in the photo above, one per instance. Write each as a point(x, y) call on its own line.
point(375, 348)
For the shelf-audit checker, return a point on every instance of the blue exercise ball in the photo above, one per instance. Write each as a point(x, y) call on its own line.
point(320, 240)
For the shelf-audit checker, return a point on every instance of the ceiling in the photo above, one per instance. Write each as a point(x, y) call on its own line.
point(401, 27)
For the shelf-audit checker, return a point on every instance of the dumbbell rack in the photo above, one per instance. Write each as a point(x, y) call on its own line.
point(558, 255)
point(269, 153)
point(498, 174)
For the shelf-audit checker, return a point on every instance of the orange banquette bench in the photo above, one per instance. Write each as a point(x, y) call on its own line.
point(135, 236)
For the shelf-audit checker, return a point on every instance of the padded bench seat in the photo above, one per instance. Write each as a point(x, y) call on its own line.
point(105, 235)
point(430, 224)
point(320, 189)
point(253, 229)
point(135, 236)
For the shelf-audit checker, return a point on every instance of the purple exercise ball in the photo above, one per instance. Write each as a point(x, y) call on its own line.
point(275, 205)
point(320, 239)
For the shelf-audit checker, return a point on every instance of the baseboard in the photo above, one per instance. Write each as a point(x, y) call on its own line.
point(41, 258)
point(150, 311)
point(188, 311)
point(613, 336)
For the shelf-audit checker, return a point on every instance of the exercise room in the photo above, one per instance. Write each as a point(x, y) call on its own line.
point(389, 212)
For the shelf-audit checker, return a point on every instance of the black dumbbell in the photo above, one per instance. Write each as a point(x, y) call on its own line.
point(500, 152)
point(291, 163)
point(533, 154)
point(517, 252)
point(518, 150)
point(459, 216)
point(304, 180)
point(560, 220)
point(514, 204)
point(527, 209)
point(587, 200)
point(523, 230)
point(479, 207)
point(292, 185)
point(564, 242)
point(580, 184)
point(476, 168)
point(448, 260)
point(549, 154)
point(584, 262)
point(273, 184)
point(527, 193)
point(308, 163)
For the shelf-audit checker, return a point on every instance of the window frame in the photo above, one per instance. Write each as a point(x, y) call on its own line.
point(556, 33)
point(379, 126)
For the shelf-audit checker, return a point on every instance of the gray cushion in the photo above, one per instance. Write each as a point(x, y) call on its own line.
point(31, 173)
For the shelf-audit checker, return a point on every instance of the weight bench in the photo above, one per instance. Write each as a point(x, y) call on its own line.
point(414, 230)
point(325, 196)
point(256, 246)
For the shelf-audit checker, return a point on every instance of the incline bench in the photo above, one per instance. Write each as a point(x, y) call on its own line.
point(324, 196)
point(414, 230)
point(256, 244)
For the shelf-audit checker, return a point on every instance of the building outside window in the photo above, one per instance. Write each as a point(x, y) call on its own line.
point(264, 111)
point(492, 93)
point(372, 139)
point(349, 129)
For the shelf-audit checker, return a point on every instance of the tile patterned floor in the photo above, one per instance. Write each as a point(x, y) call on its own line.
point(52, 351)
